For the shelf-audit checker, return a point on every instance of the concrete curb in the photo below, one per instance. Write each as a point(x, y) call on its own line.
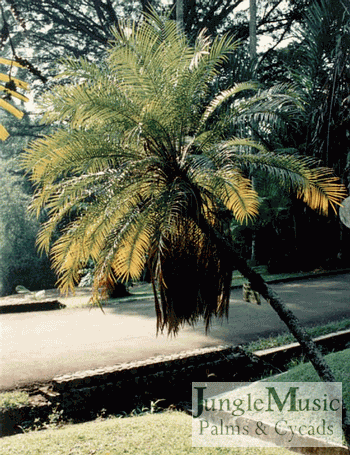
point(281, 353)
point(24, 307)
point(221, 363)
point(210, 356)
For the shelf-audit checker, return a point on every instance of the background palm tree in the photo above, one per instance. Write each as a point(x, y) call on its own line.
point(320, 67)
point(318, 64)
point(142, 164)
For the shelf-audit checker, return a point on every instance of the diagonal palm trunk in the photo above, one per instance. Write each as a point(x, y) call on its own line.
point(286, 315)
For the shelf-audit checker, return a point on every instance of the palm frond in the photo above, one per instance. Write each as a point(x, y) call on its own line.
point(224, 96)
point(316, 186)
point(10, 89)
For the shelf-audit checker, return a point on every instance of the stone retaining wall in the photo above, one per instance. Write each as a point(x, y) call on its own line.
point(125, 387)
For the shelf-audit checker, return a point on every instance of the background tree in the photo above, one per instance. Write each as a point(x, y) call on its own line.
point(20, 263)
point(180, 13)
point(74, 29)
point(317, 62)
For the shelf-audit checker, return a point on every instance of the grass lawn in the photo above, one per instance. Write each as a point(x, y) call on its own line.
point(167, 433)
point(287, 337)
point(13, 399)
point(339, 363)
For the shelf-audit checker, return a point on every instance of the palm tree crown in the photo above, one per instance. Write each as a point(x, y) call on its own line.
point(141, 169)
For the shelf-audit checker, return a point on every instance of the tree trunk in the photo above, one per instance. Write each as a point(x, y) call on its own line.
point(253, 248)
point(286, 315)
point(252, 51)
point(252, 31)
point(180, 14)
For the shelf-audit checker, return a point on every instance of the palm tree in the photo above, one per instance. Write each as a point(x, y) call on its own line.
point(142, 165)
point(319, 63)
point(10, 90)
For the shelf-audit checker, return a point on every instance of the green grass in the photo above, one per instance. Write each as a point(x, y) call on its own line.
point(238, 279)
point(287, 338)
point(167, 433)
point(338, 362)
point(13, 399)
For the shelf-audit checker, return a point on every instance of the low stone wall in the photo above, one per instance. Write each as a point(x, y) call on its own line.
point(125, 387)
point(169, 378)
point(327, 343)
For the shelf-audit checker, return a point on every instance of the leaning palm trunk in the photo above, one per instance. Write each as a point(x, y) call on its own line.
point(286, 315)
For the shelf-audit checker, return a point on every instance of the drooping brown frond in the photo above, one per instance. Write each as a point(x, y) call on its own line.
point(193, 279)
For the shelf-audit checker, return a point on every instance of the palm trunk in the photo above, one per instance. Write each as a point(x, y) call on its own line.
point(286, 315)
point(253, 249)
point(252, 51)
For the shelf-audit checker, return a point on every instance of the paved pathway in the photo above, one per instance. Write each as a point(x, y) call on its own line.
point(41, 345)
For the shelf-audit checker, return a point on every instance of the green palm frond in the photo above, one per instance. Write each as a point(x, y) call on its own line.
point(268, 106)
point(317, 186)
point(224, 96)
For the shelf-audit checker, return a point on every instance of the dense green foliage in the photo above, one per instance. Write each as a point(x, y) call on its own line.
point(20, 263)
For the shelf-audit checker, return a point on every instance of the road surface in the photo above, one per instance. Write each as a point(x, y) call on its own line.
point(38, 346)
